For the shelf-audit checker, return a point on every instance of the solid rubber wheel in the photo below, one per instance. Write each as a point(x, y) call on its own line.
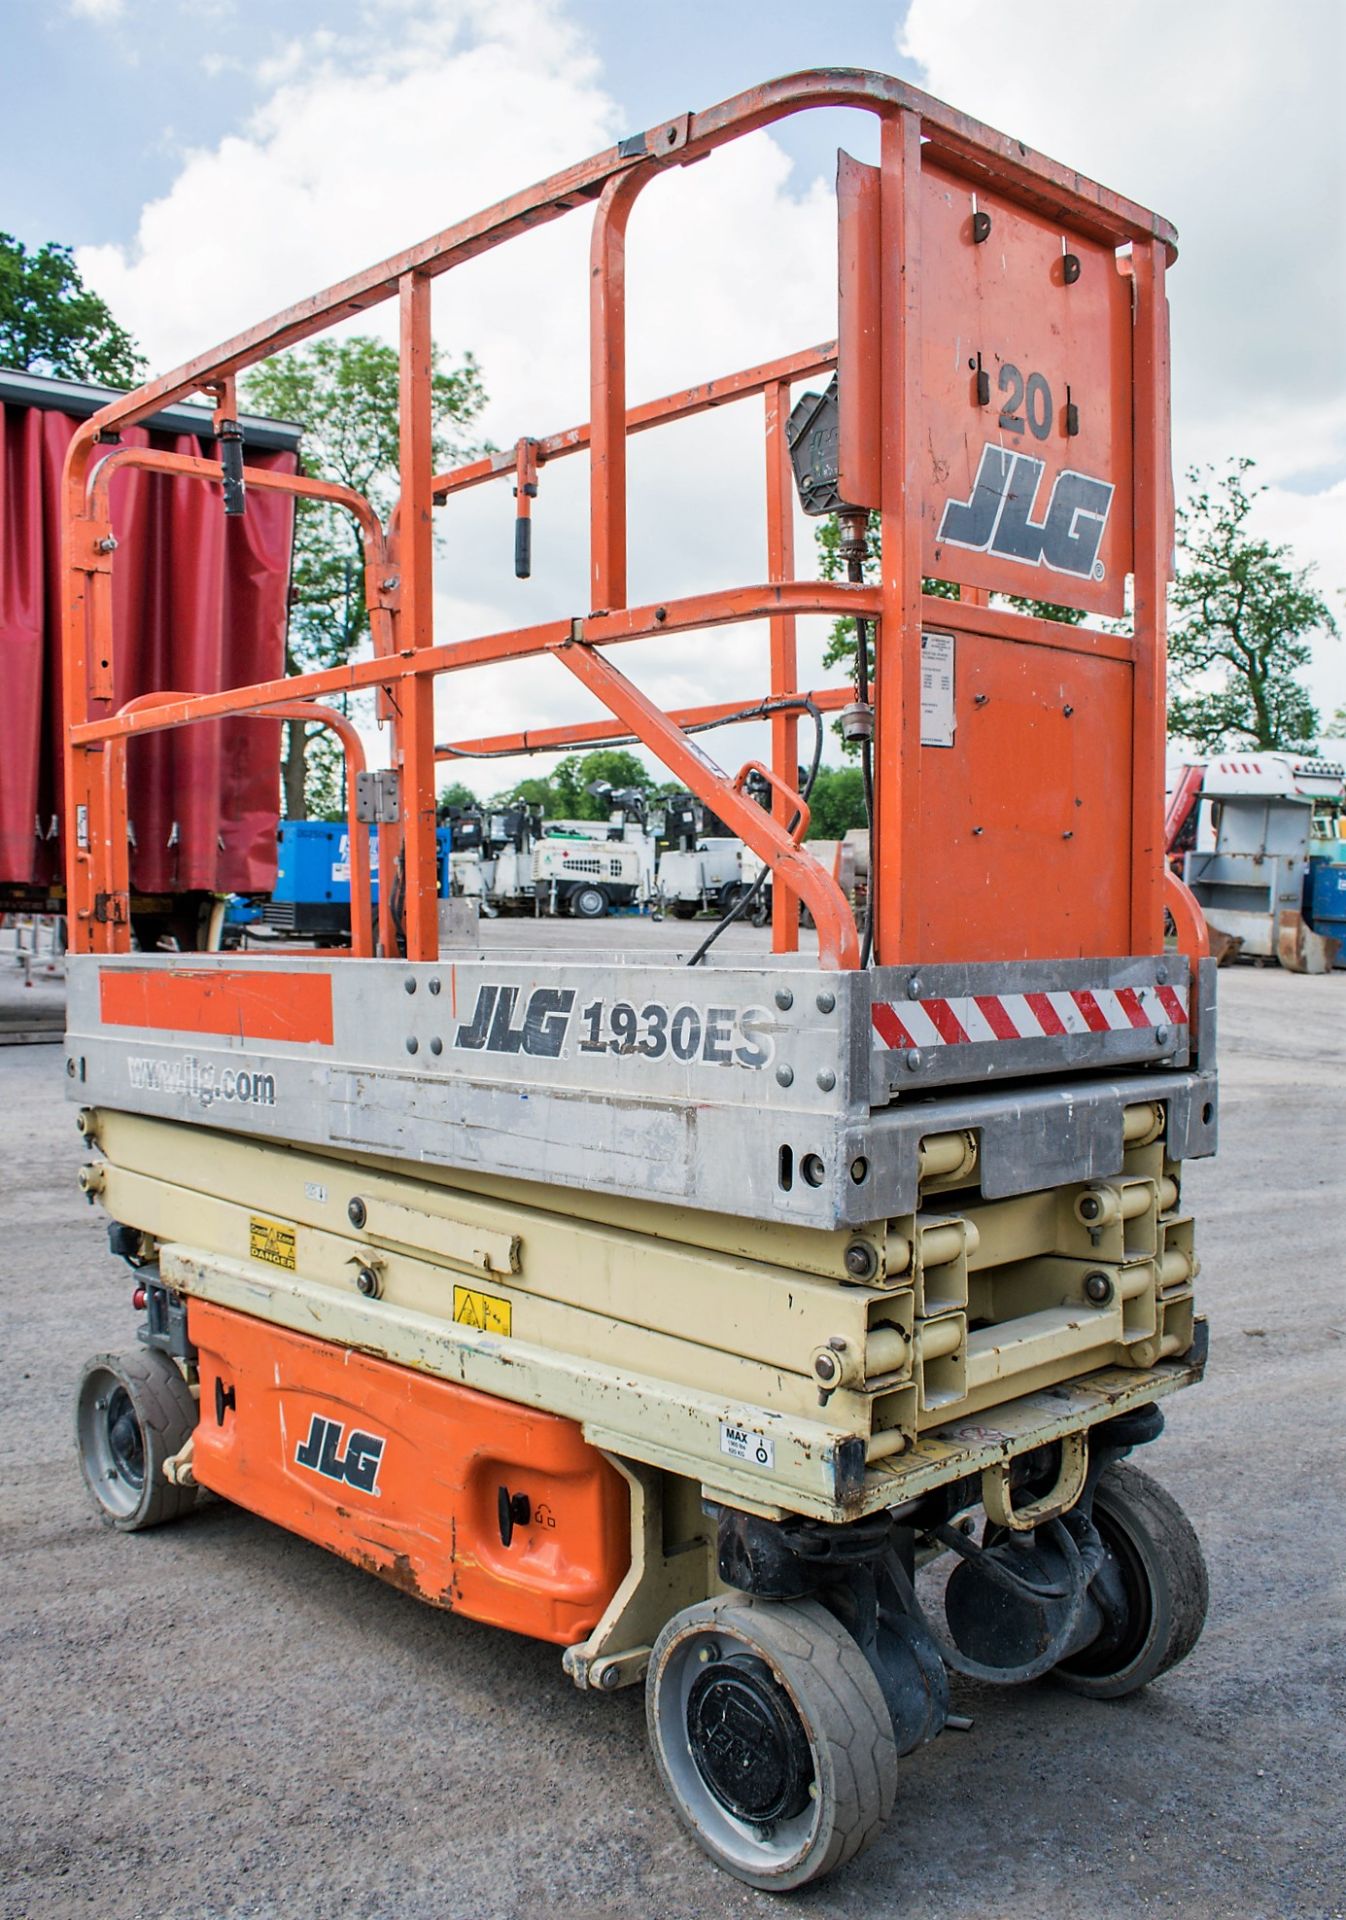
point(686, 909)
point(1154, 1547)
point(771, 1736)
point(133, 1412)
point(589, 903)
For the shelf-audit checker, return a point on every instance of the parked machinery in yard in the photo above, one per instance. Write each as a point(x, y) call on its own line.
point(700, 865)
point(311, 899)
point(509, 859)
point(1255, 834)
point(678, 1315)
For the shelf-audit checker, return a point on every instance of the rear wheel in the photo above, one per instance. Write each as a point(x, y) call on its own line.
point(686, 909)
point(1158, 1573)
point(589, 903)
point(133, 1412)
point(771, 1737)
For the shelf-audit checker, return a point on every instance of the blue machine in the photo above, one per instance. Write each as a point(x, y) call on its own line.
point(1325, 901)
point(312, 894)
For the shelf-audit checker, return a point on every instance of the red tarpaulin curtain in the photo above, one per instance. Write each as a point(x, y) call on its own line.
point(199, 605)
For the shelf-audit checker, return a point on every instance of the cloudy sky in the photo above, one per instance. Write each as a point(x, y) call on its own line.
point(213, 160)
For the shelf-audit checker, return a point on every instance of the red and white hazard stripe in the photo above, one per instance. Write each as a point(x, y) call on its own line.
point(980, 1017)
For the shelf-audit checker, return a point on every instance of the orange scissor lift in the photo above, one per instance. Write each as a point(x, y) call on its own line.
point(678, 1315)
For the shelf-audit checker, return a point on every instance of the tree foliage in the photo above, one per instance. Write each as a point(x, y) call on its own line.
point(50, 322)
point(344, 393)
point(1242, 618)
point(457, 795)
point(564, 793)
point(837, 803)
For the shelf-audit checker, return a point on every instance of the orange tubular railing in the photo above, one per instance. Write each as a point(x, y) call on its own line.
point(915, 131)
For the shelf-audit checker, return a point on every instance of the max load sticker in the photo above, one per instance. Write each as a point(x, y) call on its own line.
point(743, 1443)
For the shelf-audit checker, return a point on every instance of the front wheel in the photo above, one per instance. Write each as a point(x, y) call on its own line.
point(133, 1412)
point(589, 903)
point(771, 1737)
point(1156, 1578)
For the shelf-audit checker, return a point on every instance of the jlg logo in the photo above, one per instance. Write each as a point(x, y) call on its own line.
point(997, 518)
point(321, 1453)
point(541, 1031)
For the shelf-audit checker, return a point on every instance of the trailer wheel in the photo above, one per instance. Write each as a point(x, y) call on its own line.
point(771, 1737)
point(133, 1412)
point(686, 909)
point(1163, 1574)
point(589, 903)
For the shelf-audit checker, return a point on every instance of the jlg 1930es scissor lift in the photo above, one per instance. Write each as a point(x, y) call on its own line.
point(678, 1314)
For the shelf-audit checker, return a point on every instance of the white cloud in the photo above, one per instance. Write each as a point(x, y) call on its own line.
point(368, 141)
point(101, 11)
point(1227, 119)
point(364, 147)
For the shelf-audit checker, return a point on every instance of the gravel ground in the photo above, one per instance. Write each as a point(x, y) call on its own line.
point(216, 1720)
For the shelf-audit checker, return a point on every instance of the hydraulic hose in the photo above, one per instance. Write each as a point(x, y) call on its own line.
point(1081, 1566)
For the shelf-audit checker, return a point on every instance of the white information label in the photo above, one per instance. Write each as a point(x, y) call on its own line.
point(741, 1443)
point(937, 715)
point(315, 1190)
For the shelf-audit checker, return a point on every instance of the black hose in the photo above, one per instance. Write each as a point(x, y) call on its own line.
point(753, 893)
point(1081, 1567)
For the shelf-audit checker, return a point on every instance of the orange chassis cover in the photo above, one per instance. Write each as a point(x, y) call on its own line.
point(402, 1473)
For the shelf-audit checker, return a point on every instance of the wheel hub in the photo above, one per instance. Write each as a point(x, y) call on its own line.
point(126, 1443)
point(747, 1740)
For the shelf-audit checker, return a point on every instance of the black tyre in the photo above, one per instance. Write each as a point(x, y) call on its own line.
point(730, 894)
point(685, 909)
point(133, 1412)
point(1153, 1547)
point(771, 1737)
point(589, 903)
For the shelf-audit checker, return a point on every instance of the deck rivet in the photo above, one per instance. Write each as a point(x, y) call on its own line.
point(434, 984)
point(912, 1059)
point(410, 983)
point(785, 1076)
point(1164, 1036)
point(1161, 974)
point(413, 1044)
point(827, 1080)
point(784, 999)
point(436, 1046)
point(915, 987)
point(356, 1211)
point(826, 1001)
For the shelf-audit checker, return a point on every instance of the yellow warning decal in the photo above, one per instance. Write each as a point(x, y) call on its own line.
point(272, 1241)
point(487, 1312)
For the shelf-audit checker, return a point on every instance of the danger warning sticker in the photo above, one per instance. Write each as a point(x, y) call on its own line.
point(487, 1312)
point(272, 1241)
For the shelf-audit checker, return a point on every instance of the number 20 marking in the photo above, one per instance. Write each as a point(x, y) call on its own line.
point(1039, 397)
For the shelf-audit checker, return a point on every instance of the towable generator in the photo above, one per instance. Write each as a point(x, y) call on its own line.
point(680, 1314)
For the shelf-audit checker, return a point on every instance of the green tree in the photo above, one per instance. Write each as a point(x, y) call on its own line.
point(564, 793)
point(1243, 616)
point(345, 396)
point(50, 322)
point(837, 803)
point(840, 650)
point(457, 795)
